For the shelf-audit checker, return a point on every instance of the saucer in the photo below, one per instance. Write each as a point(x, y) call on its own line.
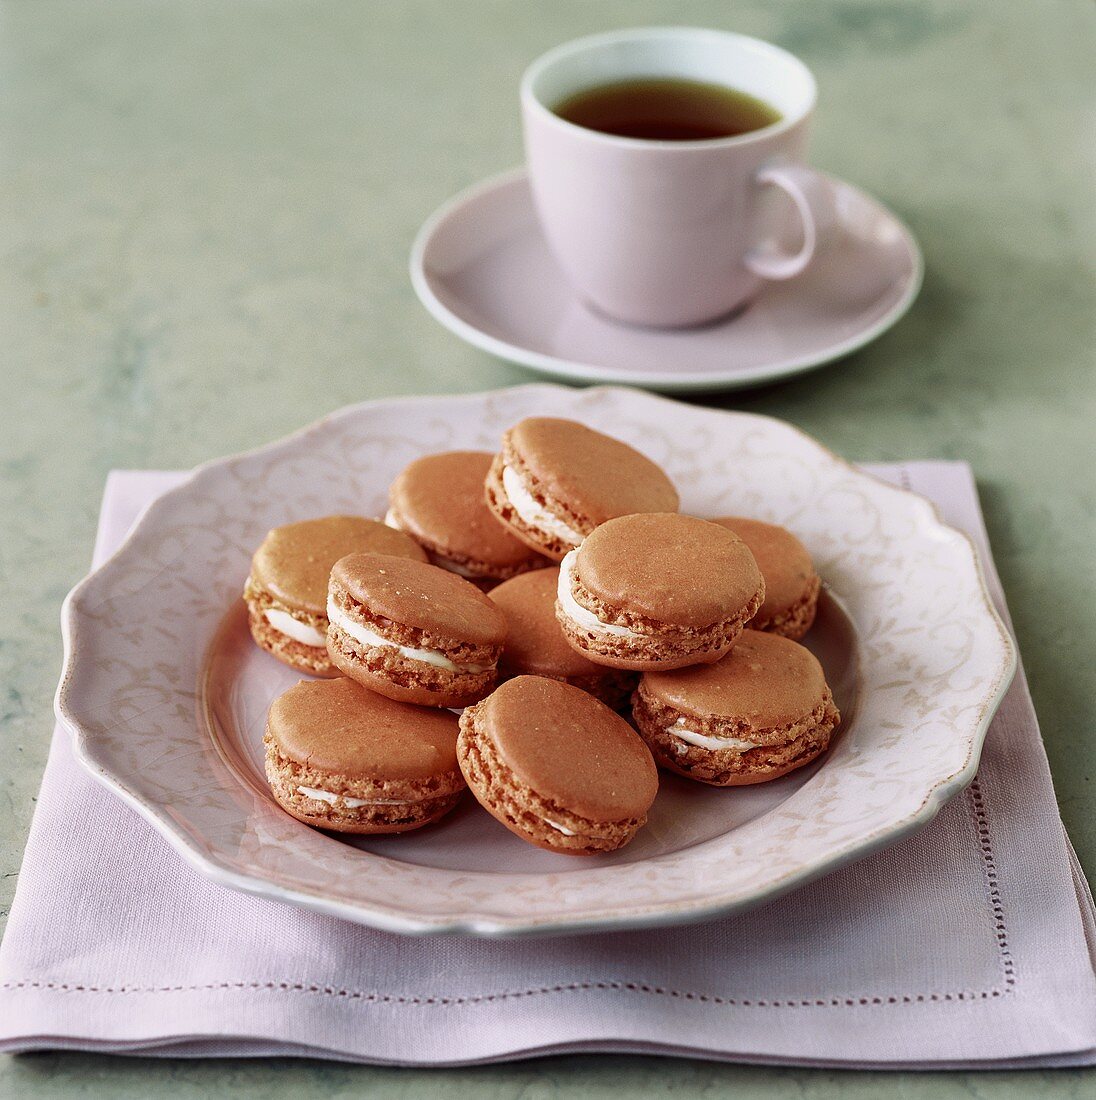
point(481, 266)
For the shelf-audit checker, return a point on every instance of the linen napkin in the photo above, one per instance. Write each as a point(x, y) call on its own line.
point(970, 943)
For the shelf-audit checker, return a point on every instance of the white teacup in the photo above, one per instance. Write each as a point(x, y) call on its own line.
point(673, 233)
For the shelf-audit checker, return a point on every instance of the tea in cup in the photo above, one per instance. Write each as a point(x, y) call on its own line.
point(649, 153)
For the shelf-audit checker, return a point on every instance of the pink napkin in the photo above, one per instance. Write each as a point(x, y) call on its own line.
point(968, 944)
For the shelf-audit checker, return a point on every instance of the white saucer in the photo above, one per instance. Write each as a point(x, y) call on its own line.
point(481, 266)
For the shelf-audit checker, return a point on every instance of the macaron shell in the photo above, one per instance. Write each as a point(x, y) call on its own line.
point(552, 545)
point(304, 658)
point(514, 808)
point(772, 752)
point(294, 561)
point(569, 748)
point(338, 726)
point(796, 759)
point(766, 680)
point(535, 644)
point(342, 759)
point(760, 765)
point(359, 821)
point(598, 477)
point(384, 672)
point(667, 568)
point(791, 583)
point(654, 654)
point(439, 500)
point(421, 596)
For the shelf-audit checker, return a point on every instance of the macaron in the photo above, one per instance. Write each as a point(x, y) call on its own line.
point(535, 645)
point(286, 591)
point(412, 631)
point(791, 583)
point(555, 480)
point(343, 758)
point(439, 501)
point(762, 711)
point(557, 768)
point(657, 590)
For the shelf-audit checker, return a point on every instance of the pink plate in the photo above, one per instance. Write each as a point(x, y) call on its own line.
point(166, 696)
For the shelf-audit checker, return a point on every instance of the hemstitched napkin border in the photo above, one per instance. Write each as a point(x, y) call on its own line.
point(53, 1012)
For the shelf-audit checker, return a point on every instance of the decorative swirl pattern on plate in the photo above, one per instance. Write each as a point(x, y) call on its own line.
point(935, 661)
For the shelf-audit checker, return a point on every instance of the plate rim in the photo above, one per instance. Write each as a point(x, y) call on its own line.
point(665, 382)
point(637, 916)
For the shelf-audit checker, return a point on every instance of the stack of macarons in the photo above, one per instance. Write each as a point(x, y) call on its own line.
point(547, 589)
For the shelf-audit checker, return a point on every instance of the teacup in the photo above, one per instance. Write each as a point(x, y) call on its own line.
point(673, 233)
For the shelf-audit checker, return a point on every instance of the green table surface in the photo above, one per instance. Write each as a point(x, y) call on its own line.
point(205, 222)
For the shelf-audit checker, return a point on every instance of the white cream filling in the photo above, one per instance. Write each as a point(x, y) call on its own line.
point(534, 513)
point(679, 729)
point(579, 614)
point(390, 519)
point(284, 623)
point(570, 832)
point(368, 637)
point(350, 803)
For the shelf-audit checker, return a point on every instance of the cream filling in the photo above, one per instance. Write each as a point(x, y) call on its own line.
point(350, 803)
point(570, 832)
point(579, 614)
point(365, 636)
point(534, 513)
point(679, 729)
point(284, 623)
point(390, 519)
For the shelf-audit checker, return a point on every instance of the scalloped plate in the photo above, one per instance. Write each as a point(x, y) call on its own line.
point(165, 695)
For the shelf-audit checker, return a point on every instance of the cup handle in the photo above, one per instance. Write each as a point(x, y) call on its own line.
point(812, 196)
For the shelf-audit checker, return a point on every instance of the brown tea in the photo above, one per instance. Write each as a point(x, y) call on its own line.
point(667, 110)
